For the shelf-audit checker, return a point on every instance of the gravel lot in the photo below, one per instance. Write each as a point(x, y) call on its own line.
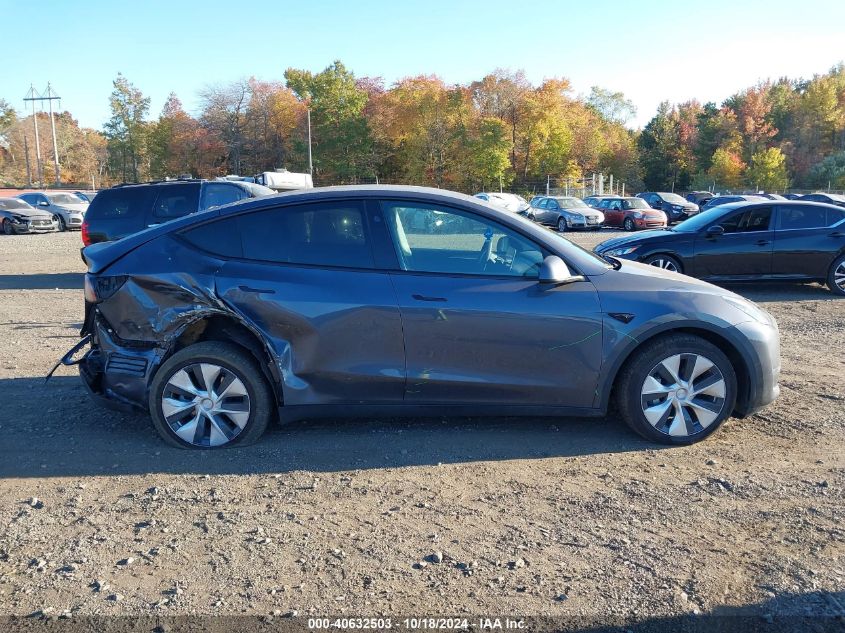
point(531, 516)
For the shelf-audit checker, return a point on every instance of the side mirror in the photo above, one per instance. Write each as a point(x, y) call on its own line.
point(43, 203)
point(554, 270)
point(715, 230)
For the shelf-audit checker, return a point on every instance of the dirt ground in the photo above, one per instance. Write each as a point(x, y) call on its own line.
point(571, 517)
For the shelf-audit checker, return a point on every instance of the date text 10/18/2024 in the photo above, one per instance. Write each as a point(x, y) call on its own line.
point(417, 624)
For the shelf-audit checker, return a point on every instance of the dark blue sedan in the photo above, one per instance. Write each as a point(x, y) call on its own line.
point(747, 241)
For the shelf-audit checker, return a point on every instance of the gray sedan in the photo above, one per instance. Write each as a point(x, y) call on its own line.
point(68, 209)
point(16, 216)
point(565, 213)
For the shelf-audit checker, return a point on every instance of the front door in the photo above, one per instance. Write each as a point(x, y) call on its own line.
point(744, 250)
point(478, 326)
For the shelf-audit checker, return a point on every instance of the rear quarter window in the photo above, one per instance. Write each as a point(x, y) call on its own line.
point(219, 237)
point(174, 201)
point(127, 202)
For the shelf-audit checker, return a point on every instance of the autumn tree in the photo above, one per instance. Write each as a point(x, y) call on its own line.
point(726, 169)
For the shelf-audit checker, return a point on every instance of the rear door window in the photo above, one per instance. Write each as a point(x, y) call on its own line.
point(802, 217)
point(174, 201)
point(326, 234)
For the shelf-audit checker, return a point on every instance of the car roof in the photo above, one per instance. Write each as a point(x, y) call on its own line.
point(781, 203)
point(832, 196)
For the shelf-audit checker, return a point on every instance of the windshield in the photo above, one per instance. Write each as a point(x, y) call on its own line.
point(64, 198)
point(571, 203)
point(673, 198)
point(697, 222)
point(635, 203)
point(13, 203)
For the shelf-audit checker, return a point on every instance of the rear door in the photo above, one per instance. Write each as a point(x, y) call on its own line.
point(540, 210)
point(306, 278)
point(478, 326)
point(744, 251)
point(807, 239)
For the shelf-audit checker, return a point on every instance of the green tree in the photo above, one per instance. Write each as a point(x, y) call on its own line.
point(611, 106)
point(829, 173)
point(490, 151)
point(126, 130)
point(767, 170)
point(342, 144)
point(659, 144)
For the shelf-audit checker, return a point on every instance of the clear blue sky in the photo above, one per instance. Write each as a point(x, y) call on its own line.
point(650, 49)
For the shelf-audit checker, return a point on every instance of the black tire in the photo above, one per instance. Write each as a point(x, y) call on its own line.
point(666, 262)
point(629, 224)
point(561, 225)
point(7, 227)
point(837, 269)
point(232, 358)
point(631, 382)
point(62, 224)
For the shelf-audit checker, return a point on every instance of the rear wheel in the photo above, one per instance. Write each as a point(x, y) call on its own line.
point(210, 395)
point(666, 262)
point(561, 225)
point(836, 276)
point(676, 390)
point(628, 224)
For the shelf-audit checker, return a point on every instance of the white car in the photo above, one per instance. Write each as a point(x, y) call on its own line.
point(68, 209)
point(507, 201)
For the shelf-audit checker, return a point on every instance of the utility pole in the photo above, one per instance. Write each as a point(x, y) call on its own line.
point(26, 156)
point(310, 166)
point(33, 96)
point(50, 96)
point(548, 182)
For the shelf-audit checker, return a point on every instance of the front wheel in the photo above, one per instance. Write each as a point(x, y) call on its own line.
point(666, 262)
point(7, 227)
point(210, 395)
point(677, 389)
point(836, 276)
point(629, 224)
point(561, 225)
point(62, 224)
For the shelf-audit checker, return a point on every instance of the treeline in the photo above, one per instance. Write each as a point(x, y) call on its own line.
point(500, 130)
point(788, 133)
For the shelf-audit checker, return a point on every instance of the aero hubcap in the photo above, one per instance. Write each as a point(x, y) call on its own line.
point(665, 264)
point(839, 276)
point(683, 395)
point(205, 404)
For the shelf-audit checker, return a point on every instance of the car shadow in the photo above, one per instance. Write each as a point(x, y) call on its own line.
point(43, 281)
point(768, 292)
point(56, 430)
